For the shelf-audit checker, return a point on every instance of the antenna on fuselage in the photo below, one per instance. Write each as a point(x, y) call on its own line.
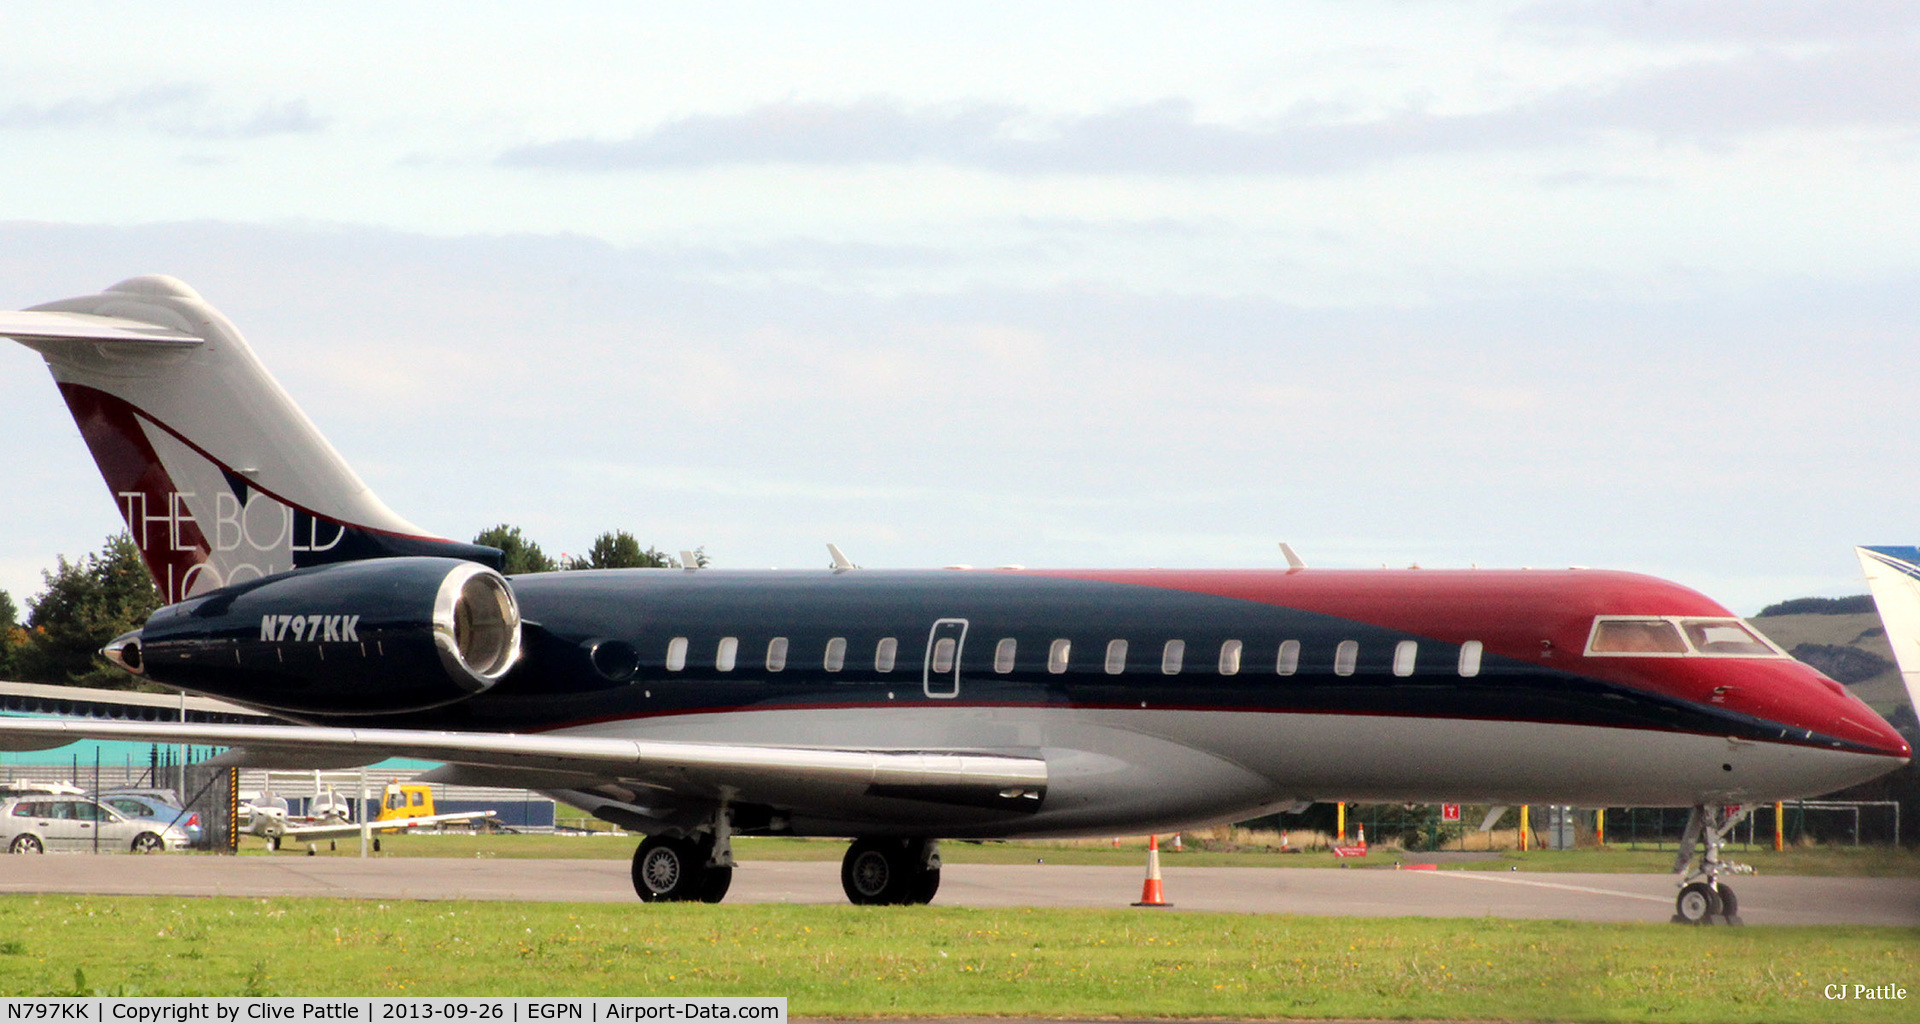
point(841, 563)
point(1294, 561)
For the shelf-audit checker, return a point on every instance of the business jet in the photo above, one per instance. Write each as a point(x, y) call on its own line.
point(900, 708)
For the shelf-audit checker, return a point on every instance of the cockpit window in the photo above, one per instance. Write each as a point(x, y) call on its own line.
point(1673, 636)
point(1636, 636)
point(1725, 636)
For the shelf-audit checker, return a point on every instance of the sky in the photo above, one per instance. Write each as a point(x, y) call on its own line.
point(1620, 283)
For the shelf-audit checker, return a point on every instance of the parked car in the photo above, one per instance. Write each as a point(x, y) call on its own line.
point(147, 806)
point(66, 823)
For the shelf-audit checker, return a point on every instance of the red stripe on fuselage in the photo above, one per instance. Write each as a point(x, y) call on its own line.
point(1544, 616)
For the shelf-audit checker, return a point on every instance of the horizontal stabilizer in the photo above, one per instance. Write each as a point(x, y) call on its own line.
point(48, 325)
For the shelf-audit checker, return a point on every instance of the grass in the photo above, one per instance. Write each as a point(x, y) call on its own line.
point(1862, 861)
point(926, 961)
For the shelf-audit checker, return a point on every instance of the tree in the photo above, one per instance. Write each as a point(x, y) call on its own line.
point(522, 555)
point(619, 550)
point(86, 604)
point(11, 636)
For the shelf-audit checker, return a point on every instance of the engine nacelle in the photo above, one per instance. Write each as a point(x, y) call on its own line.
point(371, 637)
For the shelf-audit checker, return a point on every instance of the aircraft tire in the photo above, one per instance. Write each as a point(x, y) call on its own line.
point(926, 885)
point(714, 884)
point(1729, 905)
point(25, 844)
point(1697, 904)
point(873, 871)
point(882, 872)
point(668, 870)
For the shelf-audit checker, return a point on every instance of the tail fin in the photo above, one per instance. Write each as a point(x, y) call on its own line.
point(219, 475)
point(1893, 575)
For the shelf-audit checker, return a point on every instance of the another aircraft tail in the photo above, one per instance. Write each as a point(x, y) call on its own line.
point(1893, 574)
point(219, 475)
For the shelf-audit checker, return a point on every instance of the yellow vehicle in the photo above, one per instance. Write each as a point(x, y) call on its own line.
point(405, 805)
point(405, 800)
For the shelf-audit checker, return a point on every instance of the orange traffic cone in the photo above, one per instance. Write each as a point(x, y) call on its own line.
point(1150, 895)
point(1176, 843)
point(1363, 836)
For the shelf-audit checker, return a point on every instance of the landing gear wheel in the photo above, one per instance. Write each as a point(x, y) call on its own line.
point(25, 844)
point(925, 887)
point(871, 873)
point(669, 870)
point(1729, 905)
point(714, 884)
point(1697, 904)
point(878, 872)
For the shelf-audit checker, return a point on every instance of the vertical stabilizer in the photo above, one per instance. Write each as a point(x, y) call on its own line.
point(1893, 574)
point(219, 475)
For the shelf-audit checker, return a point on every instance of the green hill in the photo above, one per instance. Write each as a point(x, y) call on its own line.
point(1850, 646)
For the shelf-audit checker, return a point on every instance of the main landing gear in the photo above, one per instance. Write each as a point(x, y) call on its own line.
point(1703, 897)
point(680, 869)
point(891, 871)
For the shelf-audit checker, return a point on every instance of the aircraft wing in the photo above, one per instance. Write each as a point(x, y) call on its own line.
point(344, 829)
point(714, 770)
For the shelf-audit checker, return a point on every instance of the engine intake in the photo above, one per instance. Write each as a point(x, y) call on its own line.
point(370, 637)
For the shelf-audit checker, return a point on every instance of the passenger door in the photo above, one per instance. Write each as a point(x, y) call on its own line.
point(63, 828)
point(941, 668)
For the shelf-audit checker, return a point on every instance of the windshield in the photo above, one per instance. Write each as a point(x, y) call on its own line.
point(1675, 636)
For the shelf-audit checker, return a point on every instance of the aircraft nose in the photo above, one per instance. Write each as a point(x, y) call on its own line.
point(1847, 718)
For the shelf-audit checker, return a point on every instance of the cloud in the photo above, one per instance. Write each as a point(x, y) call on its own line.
point(178, 109)
point(574, 386)
point(1708, 100)
point(1752, 21)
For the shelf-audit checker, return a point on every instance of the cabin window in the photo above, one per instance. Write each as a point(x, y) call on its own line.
point(885, 654)
point(777, 654)
point(1289, 661)
point(1057, 656)
point(676, 654)
point(1003, 653)
point(1404, 654)
point(1470, 658)
point(1346, 657)
point(836, 654)
point(727, 655)
point(1230, 658)
point(1172, 656)
point(1116, 657)
point(943, 652)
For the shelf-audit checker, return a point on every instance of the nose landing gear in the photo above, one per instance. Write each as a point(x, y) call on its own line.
point(1703, 897)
